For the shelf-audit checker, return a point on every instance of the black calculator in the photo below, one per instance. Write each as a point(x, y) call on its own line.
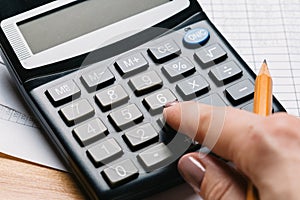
point(97, 75)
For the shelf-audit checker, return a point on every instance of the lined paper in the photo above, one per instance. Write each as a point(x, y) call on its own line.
point(261, 30)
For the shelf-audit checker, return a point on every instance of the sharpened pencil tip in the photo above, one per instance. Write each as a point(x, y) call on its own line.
point(264, 69)
point(265, 62)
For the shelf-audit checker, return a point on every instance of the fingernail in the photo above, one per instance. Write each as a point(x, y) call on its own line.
point(192, 171)
point(169, 104)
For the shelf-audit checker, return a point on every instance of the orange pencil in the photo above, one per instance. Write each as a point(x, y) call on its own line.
point(263, 99)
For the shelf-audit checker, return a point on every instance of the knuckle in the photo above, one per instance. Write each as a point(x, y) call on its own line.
point(218, 190)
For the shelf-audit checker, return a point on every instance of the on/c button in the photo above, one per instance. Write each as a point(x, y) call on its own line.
point(196, 37)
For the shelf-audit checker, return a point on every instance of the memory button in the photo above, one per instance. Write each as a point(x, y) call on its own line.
point(63, 93)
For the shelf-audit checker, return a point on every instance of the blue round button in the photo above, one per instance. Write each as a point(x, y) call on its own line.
point(196, 36)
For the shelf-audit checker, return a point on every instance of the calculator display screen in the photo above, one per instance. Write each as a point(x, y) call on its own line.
point(64, 24)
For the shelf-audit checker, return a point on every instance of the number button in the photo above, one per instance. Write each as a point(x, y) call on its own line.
point(155, 102)
point(120, 173)
point(145, 83)
point(104, 152)
point(141, 136)
point(63, 93)
point(77, 112)
point(131, 65)
point(178, 69)
point(164, 51)
point(210, 55)
point(111, 97)
point(155, 157)
point(125, 117)
point(97, 79)
point(90, 132)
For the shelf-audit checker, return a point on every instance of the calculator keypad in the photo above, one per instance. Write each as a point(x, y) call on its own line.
point(155, 102)
point(155, 157)
point(90, 132)
point(145, 83)
point(104, 152)
point(226, 73)
point(97, 79)
point(178, 69)
point(125, 117)
point(131, 65)
point(210, 55)
point(116, 114)
point(141, 136)
point(193, 87)
point(112, 97)
point(120, 173)
point(63, 93)
point(240, 92)
point(164, 51)
point(77, 112)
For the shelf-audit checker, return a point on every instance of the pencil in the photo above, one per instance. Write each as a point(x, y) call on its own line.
point(262, 106)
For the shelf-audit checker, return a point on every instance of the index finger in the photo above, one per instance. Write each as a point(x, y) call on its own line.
point(222, 129)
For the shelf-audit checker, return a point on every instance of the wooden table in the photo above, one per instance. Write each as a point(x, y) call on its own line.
point(24, 180)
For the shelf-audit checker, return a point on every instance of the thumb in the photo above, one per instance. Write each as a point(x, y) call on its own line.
point(211, 178)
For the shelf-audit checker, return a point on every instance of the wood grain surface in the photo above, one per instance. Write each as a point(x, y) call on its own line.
point(24, 180)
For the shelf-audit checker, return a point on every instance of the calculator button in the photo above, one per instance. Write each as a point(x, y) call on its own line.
point(193, 87)
point(131, 65)
point(248, 107)
point(77, 112)
point(155, 102)
point(214, 100)
point(104, 152)
point(63, 93)
point(111, 97)
point(120, 173)
point(164, 51)
point(178, 69)
point(90, 132)
point(155, 157)
point(126, 117)
point(196, 37)
point(97, 79)
point(145, 83)
point(210, 55)
point(141, 136)
point(240, 92)
point(226, 73)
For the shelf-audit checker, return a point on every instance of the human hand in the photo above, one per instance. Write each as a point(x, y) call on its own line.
point(266, 150)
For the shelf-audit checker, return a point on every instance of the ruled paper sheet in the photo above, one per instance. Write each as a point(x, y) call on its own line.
point(259, 30)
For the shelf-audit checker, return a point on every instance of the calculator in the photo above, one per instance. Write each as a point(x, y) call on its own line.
point(97, 75)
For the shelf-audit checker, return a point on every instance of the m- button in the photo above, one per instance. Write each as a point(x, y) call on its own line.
point(63, 93)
